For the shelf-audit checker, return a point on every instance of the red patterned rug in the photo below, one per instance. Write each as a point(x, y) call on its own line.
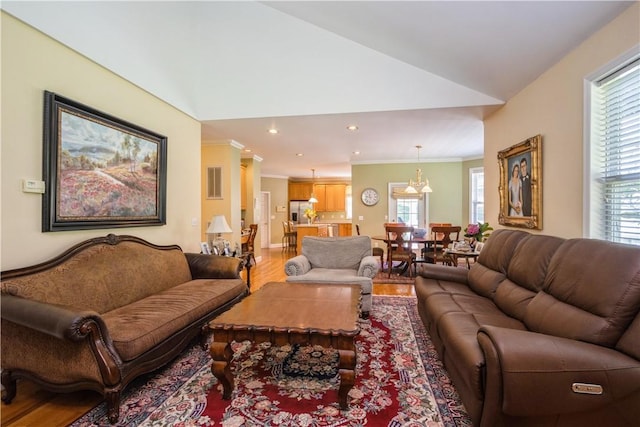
point(399, 382)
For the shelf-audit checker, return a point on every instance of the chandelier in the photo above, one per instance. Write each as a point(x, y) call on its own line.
point(418, 186)
point(313, 199)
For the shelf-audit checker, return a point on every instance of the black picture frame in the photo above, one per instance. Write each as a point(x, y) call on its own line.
point(100, 171)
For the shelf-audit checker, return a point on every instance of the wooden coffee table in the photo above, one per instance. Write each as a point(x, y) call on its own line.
point(291, 313)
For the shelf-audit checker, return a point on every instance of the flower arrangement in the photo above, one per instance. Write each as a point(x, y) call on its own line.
point(478, 231)
point(310, 214)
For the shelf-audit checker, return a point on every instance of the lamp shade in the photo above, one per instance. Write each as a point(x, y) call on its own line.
point(219, 225)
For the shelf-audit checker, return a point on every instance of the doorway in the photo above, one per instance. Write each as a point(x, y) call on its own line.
point(265, 219)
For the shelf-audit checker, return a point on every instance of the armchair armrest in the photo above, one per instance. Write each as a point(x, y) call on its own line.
point(443, 272)
point(368, 267)
point(297, 266)
point(214, 266)
point(531, 374)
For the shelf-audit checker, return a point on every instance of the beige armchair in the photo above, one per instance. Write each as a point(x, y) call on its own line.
point(336, 260)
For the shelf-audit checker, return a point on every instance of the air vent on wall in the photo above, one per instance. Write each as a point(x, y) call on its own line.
point(214, 182)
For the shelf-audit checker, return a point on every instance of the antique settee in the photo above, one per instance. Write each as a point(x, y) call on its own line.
point(108, 310)
point(336, 259)
point(541, 331)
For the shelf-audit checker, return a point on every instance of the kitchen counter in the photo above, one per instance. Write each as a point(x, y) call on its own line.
point(315, 229)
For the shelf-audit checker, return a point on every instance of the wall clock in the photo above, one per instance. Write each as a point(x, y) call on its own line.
point(369, 196)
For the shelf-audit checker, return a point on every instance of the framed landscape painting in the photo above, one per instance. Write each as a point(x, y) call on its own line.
point(521, 184)
point(100, 171)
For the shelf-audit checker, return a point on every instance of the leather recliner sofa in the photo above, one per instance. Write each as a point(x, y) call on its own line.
point(541, 331)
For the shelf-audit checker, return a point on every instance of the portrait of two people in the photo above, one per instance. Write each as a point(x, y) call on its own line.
point(520, 185)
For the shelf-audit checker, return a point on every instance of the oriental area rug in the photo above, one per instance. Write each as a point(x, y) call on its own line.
point(399, 382)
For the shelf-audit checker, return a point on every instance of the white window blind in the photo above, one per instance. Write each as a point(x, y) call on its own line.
point(616, 154)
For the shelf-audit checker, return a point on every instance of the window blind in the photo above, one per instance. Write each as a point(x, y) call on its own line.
point(616, 121)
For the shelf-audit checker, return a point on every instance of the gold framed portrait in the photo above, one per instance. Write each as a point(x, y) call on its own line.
point(521, 184)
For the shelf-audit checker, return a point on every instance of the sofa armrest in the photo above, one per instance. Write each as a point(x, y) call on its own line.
point(66, 323)
point(444, 272)
point(214, 266)
point(530, 374)
point(297, 266)
point(368, 266)
point(56, 320)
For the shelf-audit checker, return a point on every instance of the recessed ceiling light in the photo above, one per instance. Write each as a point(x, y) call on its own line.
point(352, 128)
point(356, 152)
point(273, 131)
point(247, 150)
point(299, 154)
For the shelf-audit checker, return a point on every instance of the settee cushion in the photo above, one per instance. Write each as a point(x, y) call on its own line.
point(89, 278)
point(139, 326)
point(591, 292)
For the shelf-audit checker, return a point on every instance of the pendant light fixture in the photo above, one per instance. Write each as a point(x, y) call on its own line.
point(418, 186)
point(313, 199)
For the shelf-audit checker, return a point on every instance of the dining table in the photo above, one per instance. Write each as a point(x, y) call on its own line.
point(424, 241)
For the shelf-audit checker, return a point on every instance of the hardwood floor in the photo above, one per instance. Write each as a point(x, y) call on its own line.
point(34, 407)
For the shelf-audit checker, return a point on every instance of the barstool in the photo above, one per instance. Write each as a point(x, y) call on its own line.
point(288, 236)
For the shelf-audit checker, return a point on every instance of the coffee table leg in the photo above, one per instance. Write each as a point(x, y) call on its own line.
point(346, 365)
point(221, 354)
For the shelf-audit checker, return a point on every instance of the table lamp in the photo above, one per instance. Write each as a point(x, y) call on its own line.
point(217, 226)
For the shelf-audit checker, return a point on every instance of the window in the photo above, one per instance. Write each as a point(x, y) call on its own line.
point(476, 196)
point(614, 175)
point(408, 208)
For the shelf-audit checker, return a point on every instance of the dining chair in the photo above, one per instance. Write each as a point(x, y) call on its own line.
point(441, 238)
point(248, 248)
point(439, 224)
point(399, 246)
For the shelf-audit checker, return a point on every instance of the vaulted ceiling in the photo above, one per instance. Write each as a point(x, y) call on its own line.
point(406, 73)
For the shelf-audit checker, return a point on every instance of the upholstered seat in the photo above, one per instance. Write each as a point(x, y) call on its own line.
point(335, 260)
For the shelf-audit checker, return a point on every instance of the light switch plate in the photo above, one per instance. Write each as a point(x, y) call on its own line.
point(33, 186)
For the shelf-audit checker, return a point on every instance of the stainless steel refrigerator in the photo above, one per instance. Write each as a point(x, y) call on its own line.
point(296, 212)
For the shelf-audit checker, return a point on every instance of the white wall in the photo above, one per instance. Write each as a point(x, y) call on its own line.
point(33, 63)
point(553, 106)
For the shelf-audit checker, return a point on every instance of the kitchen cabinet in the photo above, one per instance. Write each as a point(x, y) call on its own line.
point(331, 197)
point(302, 230)
point(300, 190)
point(344, 229)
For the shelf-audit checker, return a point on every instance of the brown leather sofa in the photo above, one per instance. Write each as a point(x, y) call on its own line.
point(108, 310)
point(541, 331)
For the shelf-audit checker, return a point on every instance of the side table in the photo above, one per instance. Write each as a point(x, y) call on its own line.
point(454, 255)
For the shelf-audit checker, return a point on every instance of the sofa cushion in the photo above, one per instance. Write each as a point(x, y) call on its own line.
point(104, 277)
point(525, 274)
point(137, 327)
point(336, 252)
point(493, 262)
point(591, 293)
